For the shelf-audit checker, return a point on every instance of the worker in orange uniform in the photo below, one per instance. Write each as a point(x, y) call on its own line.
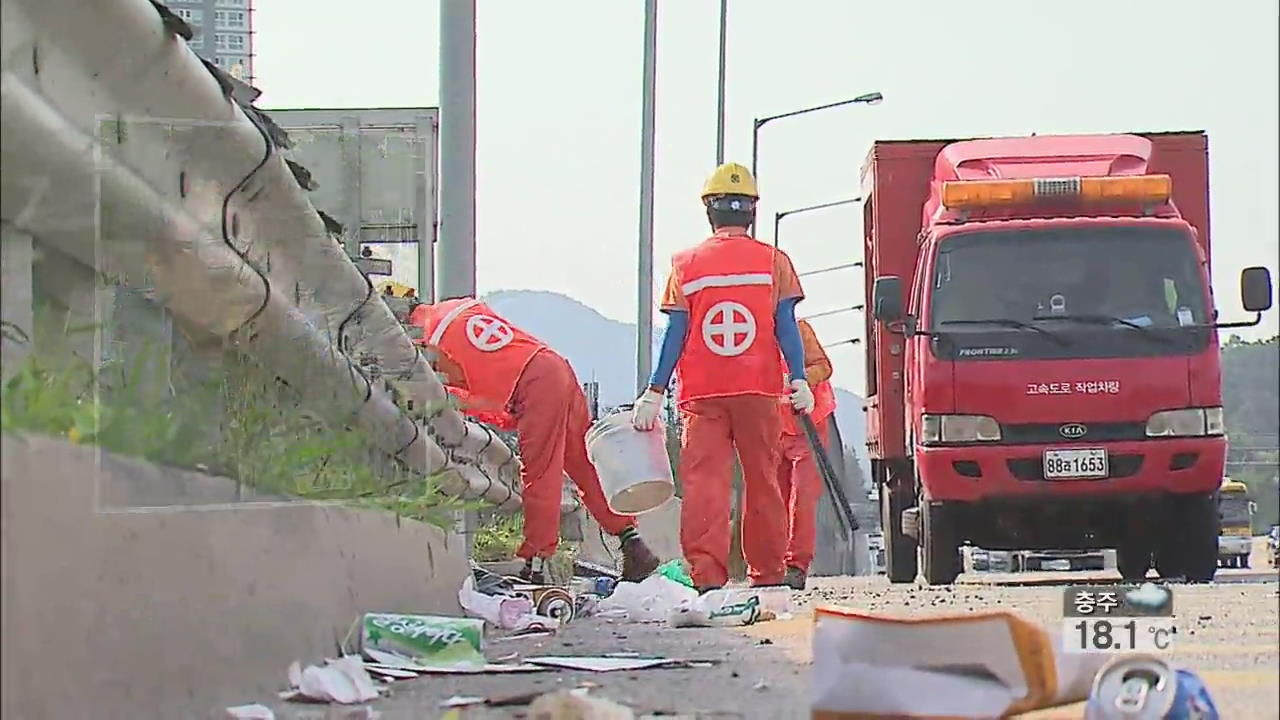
point(798, 477)
point(730, 304)
point(503, 369)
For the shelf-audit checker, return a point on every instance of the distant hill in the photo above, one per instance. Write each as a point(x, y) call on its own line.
point(604, 350)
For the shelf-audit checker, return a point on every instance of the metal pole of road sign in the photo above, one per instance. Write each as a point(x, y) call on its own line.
point(457, 242)
point(644, 326)
point(720, 89)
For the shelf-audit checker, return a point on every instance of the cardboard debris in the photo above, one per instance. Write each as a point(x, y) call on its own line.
point(977, 665)
point(251, 712)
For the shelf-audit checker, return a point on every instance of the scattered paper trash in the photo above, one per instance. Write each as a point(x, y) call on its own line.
point(343, 681)
point(727, 607)
point(608, 663)
point(986, 665)
point(651, 600)
point(251, 712)
point(577, 705)
point(508, 612)
point(395, 661)
point(428, 639)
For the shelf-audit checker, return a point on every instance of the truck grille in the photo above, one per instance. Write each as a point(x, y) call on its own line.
point(1032, 469)
point(1047, 433)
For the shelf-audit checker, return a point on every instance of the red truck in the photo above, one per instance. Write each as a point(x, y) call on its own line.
point(1043, 368)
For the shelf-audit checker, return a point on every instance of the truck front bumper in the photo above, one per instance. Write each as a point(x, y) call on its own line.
point(976, 472)
point(1235, 545)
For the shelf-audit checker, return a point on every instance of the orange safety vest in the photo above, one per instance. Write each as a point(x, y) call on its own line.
point(731, 348)
point(491, 352)
point(824, 404)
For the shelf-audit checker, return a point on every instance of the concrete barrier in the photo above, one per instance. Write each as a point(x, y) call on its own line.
point(115, 612)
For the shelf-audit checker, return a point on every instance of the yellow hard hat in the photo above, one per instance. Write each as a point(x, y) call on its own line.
point(730, 179)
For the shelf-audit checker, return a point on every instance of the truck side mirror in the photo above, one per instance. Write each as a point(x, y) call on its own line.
point(1255, 289)
point(886, 298)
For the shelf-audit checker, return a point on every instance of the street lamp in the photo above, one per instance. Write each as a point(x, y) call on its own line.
point(844, 266)
point(837, 311)
point(777, 217)
point(850, 341)
point(871, 98)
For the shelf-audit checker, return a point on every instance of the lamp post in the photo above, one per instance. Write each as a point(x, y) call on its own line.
point(844, 266)
point(777, 217)
point(871, 98)
point(724, 27)
point(837, 311)
point(850, 341)
point(644, 324)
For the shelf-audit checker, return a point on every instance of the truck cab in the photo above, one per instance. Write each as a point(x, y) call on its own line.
point(1043, 362)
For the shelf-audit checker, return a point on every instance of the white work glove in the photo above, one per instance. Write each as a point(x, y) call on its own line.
point(644, 414)
point(801, 396)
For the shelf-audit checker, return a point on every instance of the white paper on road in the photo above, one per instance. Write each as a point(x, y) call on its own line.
point(400, 662)
point(979, 665)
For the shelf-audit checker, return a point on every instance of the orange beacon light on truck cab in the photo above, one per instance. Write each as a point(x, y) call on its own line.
point(958, 194)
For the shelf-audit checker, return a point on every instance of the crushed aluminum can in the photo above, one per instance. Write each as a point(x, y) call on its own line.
point(1142, 687)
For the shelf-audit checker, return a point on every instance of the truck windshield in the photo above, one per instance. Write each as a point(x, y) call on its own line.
point(1098, 291)
point(1234, 510)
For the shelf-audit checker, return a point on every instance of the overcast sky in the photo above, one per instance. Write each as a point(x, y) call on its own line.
point(559, 114)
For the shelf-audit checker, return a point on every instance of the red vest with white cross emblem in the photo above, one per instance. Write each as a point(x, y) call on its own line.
point(731, 348)
point(491, 352)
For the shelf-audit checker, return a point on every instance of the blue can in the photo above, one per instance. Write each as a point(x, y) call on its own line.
point(604, 586)
point(1142, 687)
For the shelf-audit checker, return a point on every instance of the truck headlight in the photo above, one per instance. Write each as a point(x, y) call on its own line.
point(943, 429)
point(1186, 422)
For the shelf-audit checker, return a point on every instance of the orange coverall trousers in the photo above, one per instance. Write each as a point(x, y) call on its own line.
point(551, 421)
point(801, 485)
point(713, 429)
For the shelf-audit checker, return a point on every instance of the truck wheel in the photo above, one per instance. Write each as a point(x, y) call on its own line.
point(1190, 543)
point(1133, 560)
point(939, 548)
point(899, 548)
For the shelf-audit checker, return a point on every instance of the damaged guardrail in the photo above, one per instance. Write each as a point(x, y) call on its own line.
point(128, 152)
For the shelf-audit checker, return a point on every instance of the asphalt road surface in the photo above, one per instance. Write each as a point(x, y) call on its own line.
point(1227, 633)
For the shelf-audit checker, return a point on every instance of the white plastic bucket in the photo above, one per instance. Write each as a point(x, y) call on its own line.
point(634, 468)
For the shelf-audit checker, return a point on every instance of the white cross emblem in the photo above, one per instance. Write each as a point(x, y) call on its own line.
point(488, 333)
point(722, 325)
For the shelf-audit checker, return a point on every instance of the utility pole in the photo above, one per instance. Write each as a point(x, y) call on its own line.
point(724, 27)
point(457, 242)
point(644, 324)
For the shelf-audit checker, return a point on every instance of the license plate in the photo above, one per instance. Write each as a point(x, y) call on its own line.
point(1086, 464)
point(1056, 564)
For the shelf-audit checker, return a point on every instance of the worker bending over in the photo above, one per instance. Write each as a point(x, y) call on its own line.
point(730, 304)
point(798, 477)
point(504, 370)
